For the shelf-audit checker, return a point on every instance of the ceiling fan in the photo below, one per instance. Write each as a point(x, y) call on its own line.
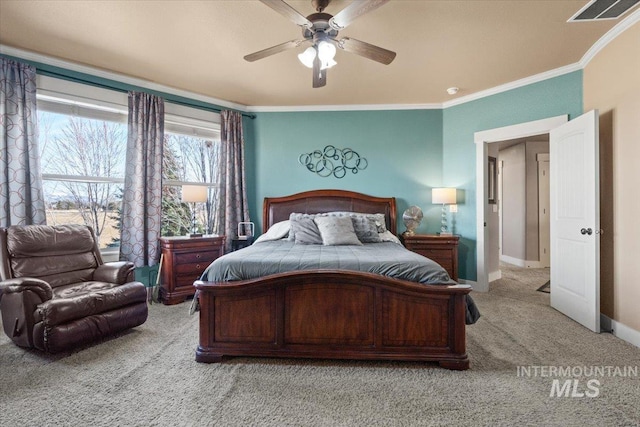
point(321, 29)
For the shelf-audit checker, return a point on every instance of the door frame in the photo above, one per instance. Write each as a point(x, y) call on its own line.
point(481, 139)
point(544, 235)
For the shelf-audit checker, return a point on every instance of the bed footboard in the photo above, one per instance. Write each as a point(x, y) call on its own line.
point(334, 315)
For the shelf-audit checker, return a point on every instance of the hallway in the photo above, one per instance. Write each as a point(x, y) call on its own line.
point(517, 281)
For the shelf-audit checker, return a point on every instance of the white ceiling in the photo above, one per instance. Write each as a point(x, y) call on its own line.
point(198, 46)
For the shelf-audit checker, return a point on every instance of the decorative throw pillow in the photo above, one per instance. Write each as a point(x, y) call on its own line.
point(306, 231)
point(380, 221)
point(379, 218)
point(293, 217)
point(367, 226)
point(337, 230)
point(366, 229)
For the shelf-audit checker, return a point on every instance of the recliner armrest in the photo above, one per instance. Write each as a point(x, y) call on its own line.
point(21, 284)
point(119, 272)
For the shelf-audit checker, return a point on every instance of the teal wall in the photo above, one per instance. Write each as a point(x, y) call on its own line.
point(409, 151)
point(403, 150)
point(549, 98)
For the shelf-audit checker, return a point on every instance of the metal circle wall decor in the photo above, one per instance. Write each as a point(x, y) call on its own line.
point(333, 161)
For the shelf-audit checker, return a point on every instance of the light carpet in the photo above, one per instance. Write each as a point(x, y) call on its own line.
point(148, 377)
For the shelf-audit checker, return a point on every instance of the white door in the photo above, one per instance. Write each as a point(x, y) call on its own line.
point(575, 220)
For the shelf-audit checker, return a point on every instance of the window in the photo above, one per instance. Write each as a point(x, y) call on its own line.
point(83, 172)
point(191, 148)
point(83, 140)
point(82, 144)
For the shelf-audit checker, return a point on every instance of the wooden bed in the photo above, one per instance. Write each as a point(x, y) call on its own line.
point(332, 314)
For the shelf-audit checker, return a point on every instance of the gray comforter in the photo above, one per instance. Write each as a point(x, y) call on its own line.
point(387, 259)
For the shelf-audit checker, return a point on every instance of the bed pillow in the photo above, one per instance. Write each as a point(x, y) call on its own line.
point(367, 226)
point(304, 230)
point(277, 231)
point(378, 218)
point(366, 229)
point(337, 230)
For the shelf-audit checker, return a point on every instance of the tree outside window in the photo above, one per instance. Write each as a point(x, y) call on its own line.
point(83, 171)
point(83, 160)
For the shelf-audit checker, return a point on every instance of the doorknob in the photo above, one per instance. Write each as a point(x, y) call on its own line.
point(586, 231)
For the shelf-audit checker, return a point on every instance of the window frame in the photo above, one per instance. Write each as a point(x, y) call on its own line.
point(65, 97)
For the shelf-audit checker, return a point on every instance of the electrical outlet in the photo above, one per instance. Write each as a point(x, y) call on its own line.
point(453, 208)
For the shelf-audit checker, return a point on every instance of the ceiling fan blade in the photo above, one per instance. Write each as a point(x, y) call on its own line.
point(274, 49)
point(319, 76)
point(356, 9)
point(367, 50)
point(288, 12)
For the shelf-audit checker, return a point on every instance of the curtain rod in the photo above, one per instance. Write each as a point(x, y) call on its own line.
point(123, 89)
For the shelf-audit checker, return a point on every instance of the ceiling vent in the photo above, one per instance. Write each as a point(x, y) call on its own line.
point(597, 10)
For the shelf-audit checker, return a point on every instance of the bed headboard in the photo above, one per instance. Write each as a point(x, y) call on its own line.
point(278, 209)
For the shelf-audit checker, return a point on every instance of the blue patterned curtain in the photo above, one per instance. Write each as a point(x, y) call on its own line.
point(231, 201)
point(142, 200)
point(21, 200)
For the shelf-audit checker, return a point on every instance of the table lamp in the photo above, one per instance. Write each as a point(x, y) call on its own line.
point(194, 194)
point(444, 196)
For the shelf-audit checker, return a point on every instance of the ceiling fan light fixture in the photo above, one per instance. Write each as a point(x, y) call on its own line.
point(321, 29)
point(330, 63)
point(308, 56)
point(326, 51)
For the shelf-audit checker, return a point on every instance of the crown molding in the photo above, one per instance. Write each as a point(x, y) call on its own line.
point(514, 85)
point(587, 57)
point(110, 75)
point(72, 66)
point(609, 36)
point(349, 107)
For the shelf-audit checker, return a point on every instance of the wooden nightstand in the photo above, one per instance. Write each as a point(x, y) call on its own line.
point(184, 260)
point(240, 243)
point(441, 249)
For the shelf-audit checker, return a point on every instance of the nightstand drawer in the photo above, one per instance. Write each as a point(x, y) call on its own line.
point(196, 257)
point(441, 249)
point(195, 268)
point(433, 253)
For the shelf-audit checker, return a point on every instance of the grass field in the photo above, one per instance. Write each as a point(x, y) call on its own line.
point(58, 217)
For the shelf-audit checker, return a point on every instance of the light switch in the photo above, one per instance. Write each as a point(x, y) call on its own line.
point(495, 208)
point(453, 208)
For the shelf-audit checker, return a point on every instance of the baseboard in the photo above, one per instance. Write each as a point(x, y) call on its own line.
point(495, 275)
point(620, 330)
point(511, 260)
point(520, 262)
point(534, 264)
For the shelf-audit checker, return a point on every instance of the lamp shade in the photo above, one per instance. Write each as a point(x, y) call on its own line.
point(194, 193)
point(445, 196)
point(308, 56)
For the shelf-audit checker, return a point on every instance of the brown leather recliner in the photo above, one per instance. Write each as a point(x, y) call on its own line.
point(56, 293)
